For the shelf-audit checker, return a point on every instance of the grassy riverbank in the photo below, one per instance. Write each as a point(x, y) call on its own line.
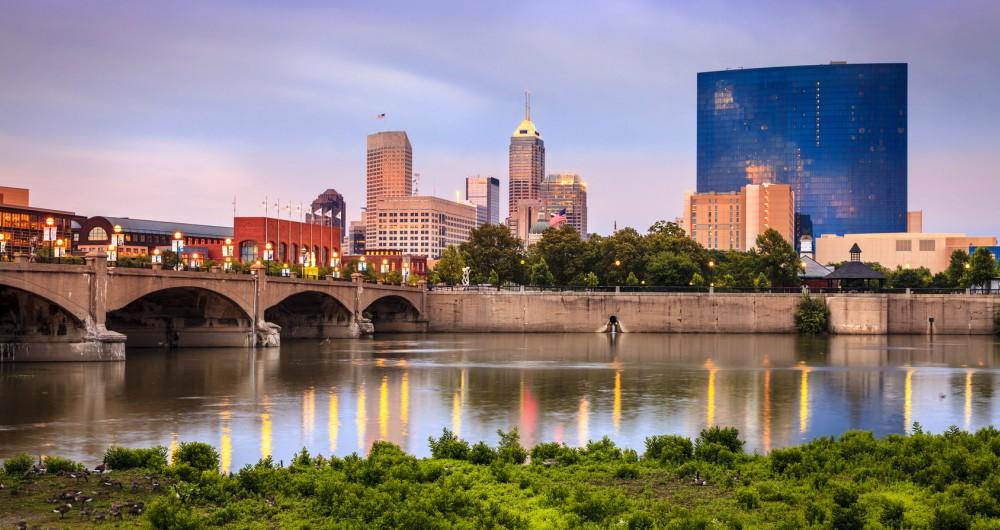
point(918, 481)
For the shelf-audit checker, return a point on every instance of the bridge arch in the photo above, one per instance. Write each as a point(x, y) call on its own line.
point(394, 312)
point(26, 316)
point(50, 292)
point(181, 316)
point(311, 313)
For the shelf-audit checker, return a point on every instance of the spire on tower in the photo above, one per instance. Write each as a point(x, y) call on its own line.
point(527, 105)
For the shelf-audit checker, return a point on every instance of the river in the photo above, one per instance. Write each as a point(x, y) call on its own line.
point(338, 396)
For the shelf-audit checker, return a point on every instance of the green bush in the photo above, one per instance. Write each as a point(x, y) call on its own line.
point(55, 464)
point(198, 455)
point(812, 316)
point(128, 458)
point(167, 513)
point(748, 498)
point(669, 448)
point(449, 446)
point(509, 449)
point(482, 454)
point(18, 465)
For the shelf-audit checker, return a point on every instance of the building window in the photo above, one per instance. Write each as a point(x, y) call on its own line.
point(927, 245)
point(97, 234)
point(904, 245)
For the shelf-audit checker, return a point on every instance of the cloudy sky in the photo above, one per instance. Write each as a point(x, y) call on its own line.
point(167, 110)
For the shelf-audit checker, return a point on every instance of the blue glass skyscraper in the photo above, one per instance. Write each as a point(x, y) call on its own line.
point(836, 133)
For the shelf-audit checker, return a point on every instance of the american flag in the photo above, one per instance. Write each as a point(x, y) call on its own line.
point(380, 116)
point(557, 219)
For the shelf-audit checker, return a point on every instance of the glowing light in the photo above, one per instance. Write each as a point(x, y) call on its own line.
point(226, 444)
point(361, 419)
point(908, 402)
point(804, 400)
point(383, 409)
point(710, 412)
point(308, 413)
point(404, 402)
point(616, 411)
point(265, 429)
point(456, 413)
point(333, 422)
point(766, 435)
point(582, 422)
point(174, 445)
point(968, 399)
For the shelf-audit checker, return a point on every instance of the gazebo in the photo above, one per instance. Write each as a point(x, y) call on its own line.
point(855, 275)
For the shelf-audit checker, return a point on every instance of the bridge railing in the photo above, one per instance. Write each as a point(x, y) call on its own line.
point(631, 289)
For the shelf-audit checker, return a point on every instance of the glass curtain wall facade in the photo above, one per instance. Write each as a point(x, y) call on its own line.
point(836, 133)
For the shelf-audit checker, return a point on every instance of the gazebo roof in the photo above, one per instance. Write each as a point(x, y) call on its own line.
point(813, 269)
point(855, 270)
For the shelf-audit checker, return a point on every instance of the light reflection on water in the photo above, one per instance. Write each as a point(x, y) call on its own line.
point(778, 390)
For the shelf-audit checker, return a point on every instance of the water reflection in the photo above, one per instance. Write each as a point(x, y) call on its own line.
point(778, 390)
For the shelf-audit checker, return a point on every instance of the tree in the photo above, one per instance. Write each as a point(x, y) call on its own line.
point(956, 268)
point(777, 259)
point(761, 282)
point(449, 267)
point(563, 251)
point(492, 248)
point(620, 255)
point(540, 274)
point(910, 278)
point(697, 280)
point(494, 278)
point(982, 268)
point(632, 279)
point(590, 279)
point(667, 228)
point(670, 268)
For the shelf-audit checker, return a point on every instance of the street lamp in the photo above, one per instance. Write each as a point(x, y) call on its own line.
point(336, 272)
point(3, 245)
point(268, 251)
point(363, 266)
point(385, 265)
point(286, 271)
point(59, 249)
point(228, 265)
point(194, 260)
point(157, 257)
point(335, 259)
point(112, 255)
point(177, 245)
point(618, 263)
point(227, 249)
point(49, 234)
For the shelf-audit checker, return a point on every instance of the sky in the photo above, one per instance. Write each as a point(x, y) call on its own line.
point(169, 110)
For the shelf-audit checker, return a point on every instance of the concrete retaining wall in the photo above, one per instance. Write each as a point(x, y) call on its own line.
point(850, 314)
point(589, 312)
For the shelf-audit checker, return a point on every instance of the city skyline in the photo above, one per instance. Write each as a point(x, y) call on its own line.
point(164, 103)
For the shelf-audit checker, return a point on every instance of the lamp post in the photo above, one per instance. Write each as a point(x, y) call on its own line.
point(3, 246)
point(177, 245)
point(50, 233)
point(336, 272)
point(117, 239)
point(286, 271)
point(194, 261)
point(228, 265)
point(363, 265)
point(112, 255)
point(711, 273)
point(156, 258)
point(268, 252)
point(385, 266)
point(335, 259)
point(59, 250)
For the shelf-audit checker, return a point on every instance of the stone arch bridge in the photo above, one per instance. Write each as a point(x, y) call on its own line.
point(90, 312)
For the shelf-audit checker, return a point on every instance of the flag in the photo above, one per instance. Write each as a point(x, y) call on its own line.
point(557, 219)
point(380, 116)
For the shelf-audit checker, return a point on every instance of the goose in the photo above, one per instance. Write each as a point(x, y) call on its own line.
point(62, 509)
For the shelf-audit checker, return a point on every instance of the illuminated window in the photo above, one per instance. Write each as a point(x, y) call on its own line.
point(97, 234)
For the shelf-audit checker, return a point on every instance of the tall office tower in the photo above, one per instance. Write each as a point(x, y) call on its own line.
point(835, 133)
point(389, 173)
point(484, 192)
point(329, 209)
point(422, 225)
point(566, 191)
point(526, 164)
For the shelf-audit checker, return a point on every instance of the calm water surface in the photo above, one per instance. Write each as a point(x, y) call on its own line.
point(339, 396)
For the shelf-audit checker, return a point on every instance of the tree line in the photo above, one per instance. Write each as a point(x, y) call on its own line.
point(664, 255)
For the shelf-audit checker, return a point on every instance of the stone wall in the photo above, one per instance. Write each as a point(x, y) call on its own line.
point(853, 314)
point(590, 312)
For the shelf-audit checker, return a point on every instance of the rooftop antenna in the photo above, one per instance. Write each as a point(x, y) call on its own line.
point(527, 105)
point(416, 183)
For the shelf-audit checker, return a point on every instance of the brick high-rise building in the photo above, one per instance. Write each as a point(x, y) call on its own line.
point(389, 172)
point(526, 165)
point(732, 221)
